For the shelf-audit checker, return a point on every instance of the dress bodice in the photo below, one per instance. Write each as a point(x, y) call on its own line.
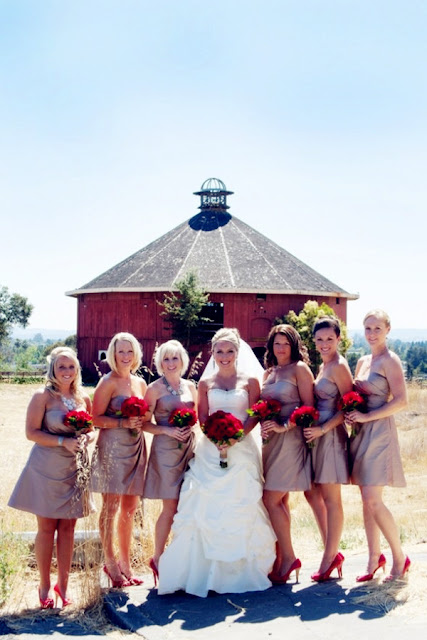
point(326, 393)
point(376, 389)
point(168, 403)
point(53, 422)
point(235, 401)
point(283, 390)
point(115, 405)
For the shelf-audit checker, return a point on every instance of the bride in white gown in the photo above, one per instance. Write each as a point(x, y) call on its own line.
point(222, 537)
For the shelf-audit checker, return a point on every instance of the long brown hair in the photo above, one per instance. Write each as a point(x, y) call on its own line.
point(298, 348)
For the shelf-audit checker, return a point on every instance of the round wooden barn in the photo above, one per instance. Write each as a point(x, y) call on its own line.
point(250, 280)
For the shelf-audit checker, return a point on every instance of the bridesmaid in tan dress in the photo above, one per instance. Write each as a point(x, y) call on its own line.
point(48, 484)
point(286, 458)
point(374, 452)
point(172, 447)
point(330, 451)
point(120, 461)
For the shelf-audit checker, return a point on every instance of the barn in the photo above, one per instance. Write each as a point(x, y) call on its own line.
point(250, 280)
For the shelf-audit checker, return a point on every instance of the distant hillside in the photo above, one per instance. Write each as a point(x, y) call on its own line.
point(405, 335)
point(48, 334)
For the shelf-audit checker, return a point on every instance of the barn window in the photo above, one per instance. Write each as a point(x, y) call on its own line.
point(215, 312)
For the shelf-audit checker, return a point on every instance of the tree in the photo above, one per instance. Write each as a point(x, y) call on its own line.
point(304, 323)
point(183, 310)
point(14, 309)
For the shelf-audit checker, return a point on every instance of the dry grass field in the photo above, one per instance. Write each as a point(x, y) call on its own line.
point(409, 506)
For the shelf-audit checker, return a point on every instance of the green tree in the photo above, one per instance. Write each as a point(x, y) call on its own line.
point(14, 309)
point(304, 323)
point(183, 311)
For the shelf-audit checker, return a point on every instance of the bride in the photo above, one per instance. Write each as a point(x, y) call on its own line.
point(222, 537)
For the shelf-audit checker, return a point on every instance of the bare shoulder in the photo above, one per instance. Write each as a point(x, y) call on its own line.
point(140, 382)
point(393, 361)
point(302, 370)
point(41, 396)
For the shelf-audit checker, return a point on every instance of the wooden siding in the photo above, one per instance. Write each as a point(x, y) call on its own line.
point(101, 315)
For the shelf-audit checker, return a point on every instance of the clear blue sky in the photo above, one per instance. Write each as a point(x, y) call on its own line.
point(313, 112)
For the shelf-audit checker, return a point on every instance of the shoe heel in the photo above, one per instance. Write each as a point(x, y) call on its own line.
point(297, 574)
point(154, 569)
point(339, 569)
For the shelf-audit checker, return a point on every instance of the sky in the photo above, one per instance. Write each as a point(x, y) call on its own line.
point(313, 112)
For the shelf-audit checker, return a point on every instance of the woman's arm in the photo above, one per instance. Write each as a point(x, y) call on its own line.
point(394, 373)
point(254, 393)
point(305, 384)
point(202, 401)
point(341, 375)
point(33, 426)
point(101, 399)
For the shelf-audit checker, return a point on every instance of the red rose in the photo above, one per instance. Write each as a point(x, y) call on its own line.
point(81, 421)
point(133, 407)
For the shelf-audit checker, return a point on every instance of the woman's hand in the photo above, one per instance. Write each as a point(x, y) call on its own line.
point(356, 416)
point(312, 433)
point(72, 445)
point(270, 426)
point(179, 433)
point(135, 422)
point(85, 439)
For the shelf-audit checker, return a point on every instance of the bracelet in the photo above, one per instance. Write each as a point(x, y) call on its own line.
point(322, 429)
point(60, 441)
point(286, 426)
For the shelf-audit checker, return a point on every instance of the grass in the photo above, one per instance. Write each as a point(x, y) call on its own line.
point(17, 566)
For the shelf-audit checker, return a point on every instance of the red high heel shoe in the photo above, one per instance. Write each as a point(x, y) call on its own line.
point(133, 580)
point(116, 584)
point(154, 569)
point(336, 563)
point(406, 566)
point(369, 576)
point(278, 579)
point(58, 594)
point(45, 603)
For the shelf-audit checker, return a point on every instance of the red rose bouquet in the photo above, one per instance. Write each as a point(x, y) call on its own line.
point(220, 428)
point(304, 417)
point(268, 409)
point(182, 417)
point(133, 407)
point(352, 401)
point(81, 421)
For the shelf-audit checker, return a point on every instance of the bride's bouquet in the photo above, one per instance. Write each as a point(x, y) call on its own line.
point(221, 428)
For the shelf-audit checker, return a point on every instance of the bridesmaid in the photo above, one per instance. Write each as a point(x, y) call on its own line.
point(374, 452)
point(286, 458)
point(119, 468)
point(172, 447)
point(330, 454)
point(47, 486)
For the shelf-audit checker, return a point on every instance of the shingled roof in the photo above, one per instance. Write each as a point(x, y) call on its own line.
point(227, 255)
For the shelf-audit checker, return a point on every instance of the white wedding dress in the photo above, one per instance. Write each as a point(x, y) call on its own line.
point(222, 537)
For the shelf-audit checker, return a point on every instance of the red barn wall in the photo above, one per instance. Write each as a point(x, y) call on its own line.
point(101, 315)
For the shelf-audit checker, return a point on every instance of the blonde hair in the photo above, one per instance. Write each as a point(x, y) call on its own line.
point(51, 379)
point(137, 351)
point(171, 347)
point(380, 315)
point(230, 335)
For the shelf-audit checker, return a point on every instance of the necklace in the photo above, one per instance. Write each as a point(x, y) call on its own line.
point(70, 403)
point(180, 390)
